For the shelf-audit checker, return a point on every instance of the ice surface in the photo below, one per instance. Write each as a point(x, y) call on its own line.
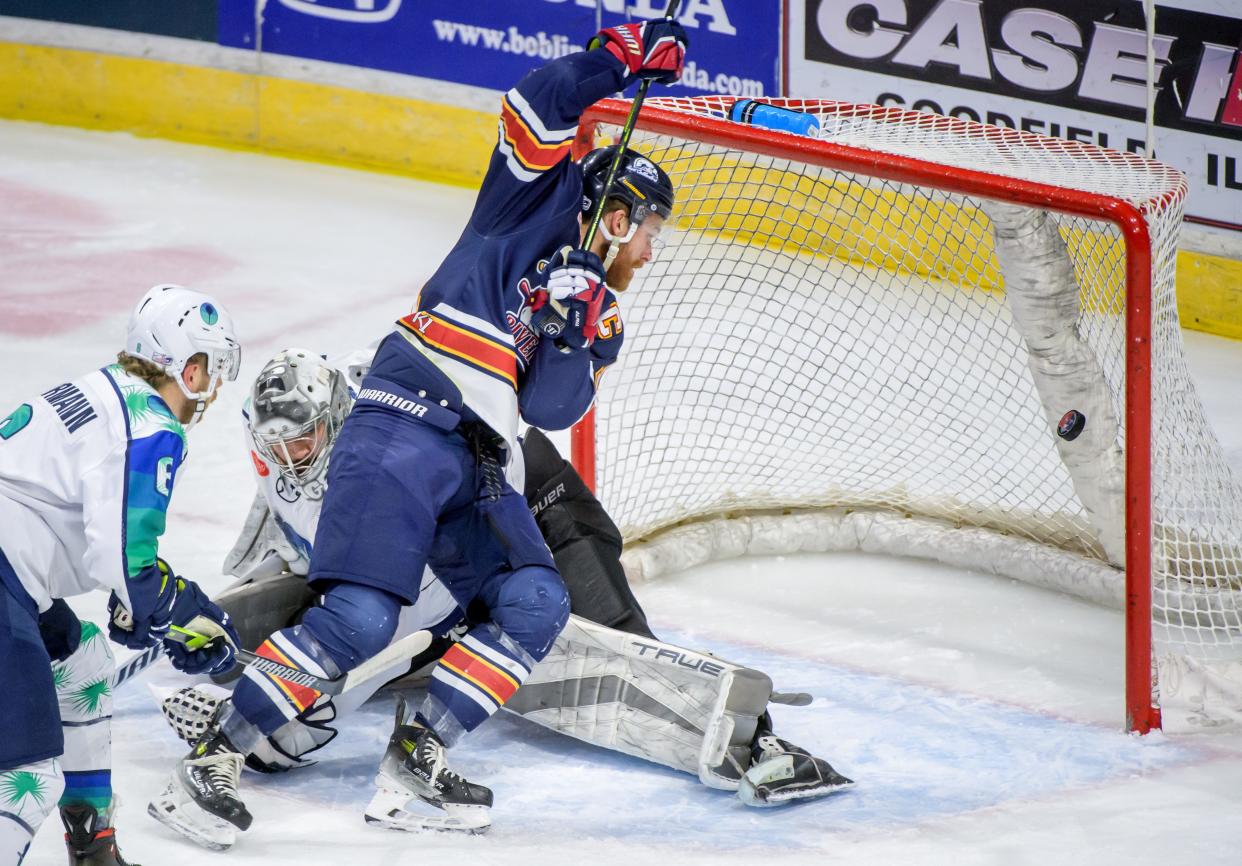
point(980, 717)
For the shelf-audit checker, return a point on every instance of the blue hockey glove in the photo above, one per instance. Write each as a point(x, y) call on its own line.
point(152, 593)
point(567, 306)
point(650, 49)
point(197, 614)
point(60, 629)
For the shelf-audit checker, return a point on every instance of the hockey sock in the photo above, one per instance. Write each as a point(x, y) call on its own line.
point(265, 701)
point(472, 680)
point(88, 788)
point(353, 623)
point(84, 694)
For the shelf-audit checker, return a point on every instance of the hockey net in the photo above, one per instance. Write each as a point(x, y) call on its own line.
point(867, 339)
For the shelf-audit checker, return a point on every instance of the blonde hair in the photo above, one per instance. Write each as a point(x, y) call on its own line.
point(151, 374)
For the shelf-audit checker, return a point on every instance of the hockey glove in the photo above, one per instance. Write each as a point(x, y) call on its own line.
point(152, 593)
point(197, 614)
point(567, 306)
point(649, 49)
point(60, 629)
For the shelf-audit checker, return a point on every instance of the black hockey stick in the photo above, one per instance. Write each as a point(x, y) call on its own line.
point(626, 132)
point(598, 214)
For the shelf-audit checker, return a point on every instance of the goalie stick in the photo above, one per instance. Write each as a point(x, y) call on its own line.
point(403, 648)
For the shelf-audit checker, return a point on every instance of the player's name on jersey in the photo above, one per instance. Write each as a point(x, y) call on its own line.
point(71, 405)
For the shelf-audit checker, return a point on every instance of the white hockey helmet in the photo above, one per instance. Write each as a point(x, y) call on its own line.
point(172, 324)
point(297, 406)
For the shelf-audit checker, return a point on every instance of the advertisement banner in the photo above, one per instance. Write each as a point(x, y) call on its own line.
point(1065, 68)
point(192, 19)
point(735, 44)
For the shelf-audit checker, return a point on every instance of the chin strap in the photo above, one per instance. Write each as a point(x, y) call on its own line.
point(200, 406)
point(615, 242)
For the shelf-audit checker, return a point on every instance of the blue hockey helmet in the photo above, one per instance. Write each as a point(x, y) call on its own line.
point(640, 183)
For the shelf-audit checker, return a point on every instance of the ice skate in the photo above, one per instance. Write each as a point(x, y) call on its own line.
point(781, 772)
point(200, 801)
point(91, 842)
point(414, 768)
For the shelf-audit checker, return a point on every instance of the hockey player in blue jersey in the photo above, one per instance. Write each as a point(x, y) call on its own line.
point(418, 473)
point(86, 474)
point(709, 719)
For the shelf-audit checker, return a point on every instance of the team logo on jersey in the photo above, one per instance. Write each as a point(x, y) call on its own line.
point(646, 168)
point(286, 491)
point(260, 466)
point(209, 314)
point(525, 340)
point(164, 476)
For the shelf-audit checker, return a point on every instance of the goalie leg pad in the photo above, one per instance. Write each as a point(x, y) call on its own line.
point(683, 709)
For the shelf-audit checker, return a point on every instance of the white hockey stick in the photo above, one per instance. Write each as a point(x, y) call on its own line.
point(136, 665)
point(404, 648)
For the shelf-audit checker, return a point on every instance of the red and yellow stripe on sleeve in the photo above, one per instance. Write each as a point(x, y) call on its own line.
point(533, 154)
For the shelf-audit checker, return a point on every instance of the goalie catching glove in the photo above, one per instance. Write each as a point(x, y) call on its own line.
point(162, 601)
point(654, 50)
point(567, 306)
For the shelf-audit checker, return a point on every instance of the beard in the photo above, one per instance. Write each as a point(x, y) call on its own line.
point(619, 275)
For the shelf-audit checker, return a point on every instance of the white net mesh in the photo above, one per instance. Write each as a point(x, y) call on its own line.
point(832, 338)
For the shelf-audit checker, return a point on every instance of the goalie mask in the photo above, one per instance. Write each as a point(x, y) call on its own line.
point(297, 406)
point(172, 324)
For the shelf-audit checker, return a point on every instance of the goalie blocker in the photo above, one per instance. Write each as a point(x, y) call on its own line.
point(607, 680)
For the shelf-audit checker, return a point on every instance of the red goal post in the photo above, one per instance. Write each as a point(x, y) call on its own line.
point(892, 211)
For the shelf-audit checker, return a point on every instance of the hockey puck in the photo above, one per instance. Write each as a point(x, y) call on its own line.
point(1071, 425)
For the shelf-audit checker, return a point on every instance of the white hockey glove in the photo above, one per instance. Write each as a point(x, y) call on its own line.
point(567, 306)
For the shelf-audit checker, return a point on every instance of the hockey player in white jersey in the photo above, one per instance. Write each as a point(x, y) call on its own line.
point(617, 687)
point(86, 472)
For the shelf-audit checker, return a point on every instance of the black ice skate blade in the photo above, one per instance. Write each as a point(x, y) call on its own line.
point(803, 798)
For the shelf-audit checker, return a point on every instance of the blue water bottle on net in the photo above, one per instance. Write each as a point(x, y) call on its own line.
point(773, 117)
